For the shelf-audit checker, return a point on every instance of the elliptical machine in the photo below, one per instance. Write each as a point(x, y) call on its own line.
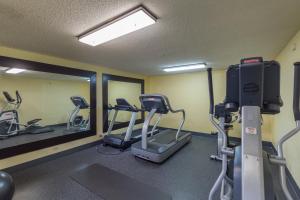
point(9, 119)
point(253, 88)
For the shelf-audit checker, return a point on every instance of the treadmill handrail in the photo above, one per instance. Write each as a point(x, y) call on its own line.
point(145, 128)
point(112, 122)
point(181, 123)
point(167, 102)
point(155, 125)
point(169, 107)
point(176, 111)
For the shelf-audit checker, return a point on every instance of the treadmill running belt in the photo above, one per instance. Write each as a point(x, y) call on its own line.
point(167, 136)
point(112, 185)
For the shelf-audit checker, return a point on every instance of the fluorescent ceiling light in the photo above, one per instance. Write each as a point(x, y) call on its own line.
point(132, 21)
point(185, 67)
point(15, 71)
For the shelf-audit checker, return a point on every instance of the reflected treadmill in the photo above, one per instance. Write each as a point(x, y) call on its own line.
point(161, 146)
point(124, 140)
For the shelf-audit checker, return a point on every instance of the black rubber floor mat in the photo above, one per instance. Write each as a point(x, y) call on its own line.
point(112, 185)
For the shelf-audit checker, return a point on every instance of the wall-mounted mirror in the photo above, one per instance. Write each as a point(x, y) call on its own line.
point(115, 87)
point(40, 105)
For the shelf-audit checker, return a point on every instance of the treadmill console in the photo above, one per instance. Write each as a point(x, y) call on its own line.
point(122, 104)
point(80, 101)
point(157, 102)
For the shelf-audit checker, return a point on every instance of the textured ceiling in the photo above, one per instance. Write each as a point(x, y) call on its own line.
point(188, 31)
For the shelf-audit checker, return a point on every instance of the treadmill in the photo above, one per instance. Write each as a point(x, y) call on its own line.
point(75, 120)
point(124, 140)
point(161, 146)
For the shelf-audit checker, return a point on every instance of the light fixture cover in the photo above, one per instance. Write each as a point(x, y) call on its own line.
point(15, 71)
point(185, 67)
point(132, 21)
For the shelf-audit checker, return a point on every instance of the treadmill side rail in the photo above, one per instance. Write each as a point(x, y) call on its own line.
point(130, 127)
point(111, 125)
point(145, 128)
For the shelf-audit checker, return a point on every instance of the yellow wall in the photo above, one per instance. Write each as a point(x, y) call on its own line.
point(190, 91)
point(284, 121)
point(44, 98)
point(16, 53)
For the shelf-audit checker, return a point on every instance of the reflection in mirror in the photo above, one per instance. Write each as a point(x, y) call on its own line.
point(38, 105)
point(128, 91)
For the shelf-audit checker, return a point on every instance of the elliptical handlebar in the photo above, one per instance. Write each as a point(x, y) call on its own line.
point(225, 151)
point(16, 102)
point(296, 97)
point(19, 99)
point(8, 98)
point(211, 91)
point(279, 158)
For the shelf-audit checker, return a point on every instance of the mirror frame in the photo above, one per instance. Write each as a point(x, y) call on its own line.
point(43, 67)
point(110, 77)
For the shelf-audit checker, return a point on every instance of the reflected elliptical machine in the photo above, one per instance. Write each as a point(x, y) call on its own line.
point(161, 146)
point(124, 140)
point(77, 121)
point(9, 119)
point(253, 88)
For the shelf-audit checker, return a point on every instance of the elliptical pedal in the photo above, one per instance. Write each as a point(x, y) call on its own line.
point(32, 122)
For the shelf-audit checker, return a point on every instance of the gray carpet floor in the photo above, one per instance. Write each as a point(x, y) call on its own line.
point(188, 175)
